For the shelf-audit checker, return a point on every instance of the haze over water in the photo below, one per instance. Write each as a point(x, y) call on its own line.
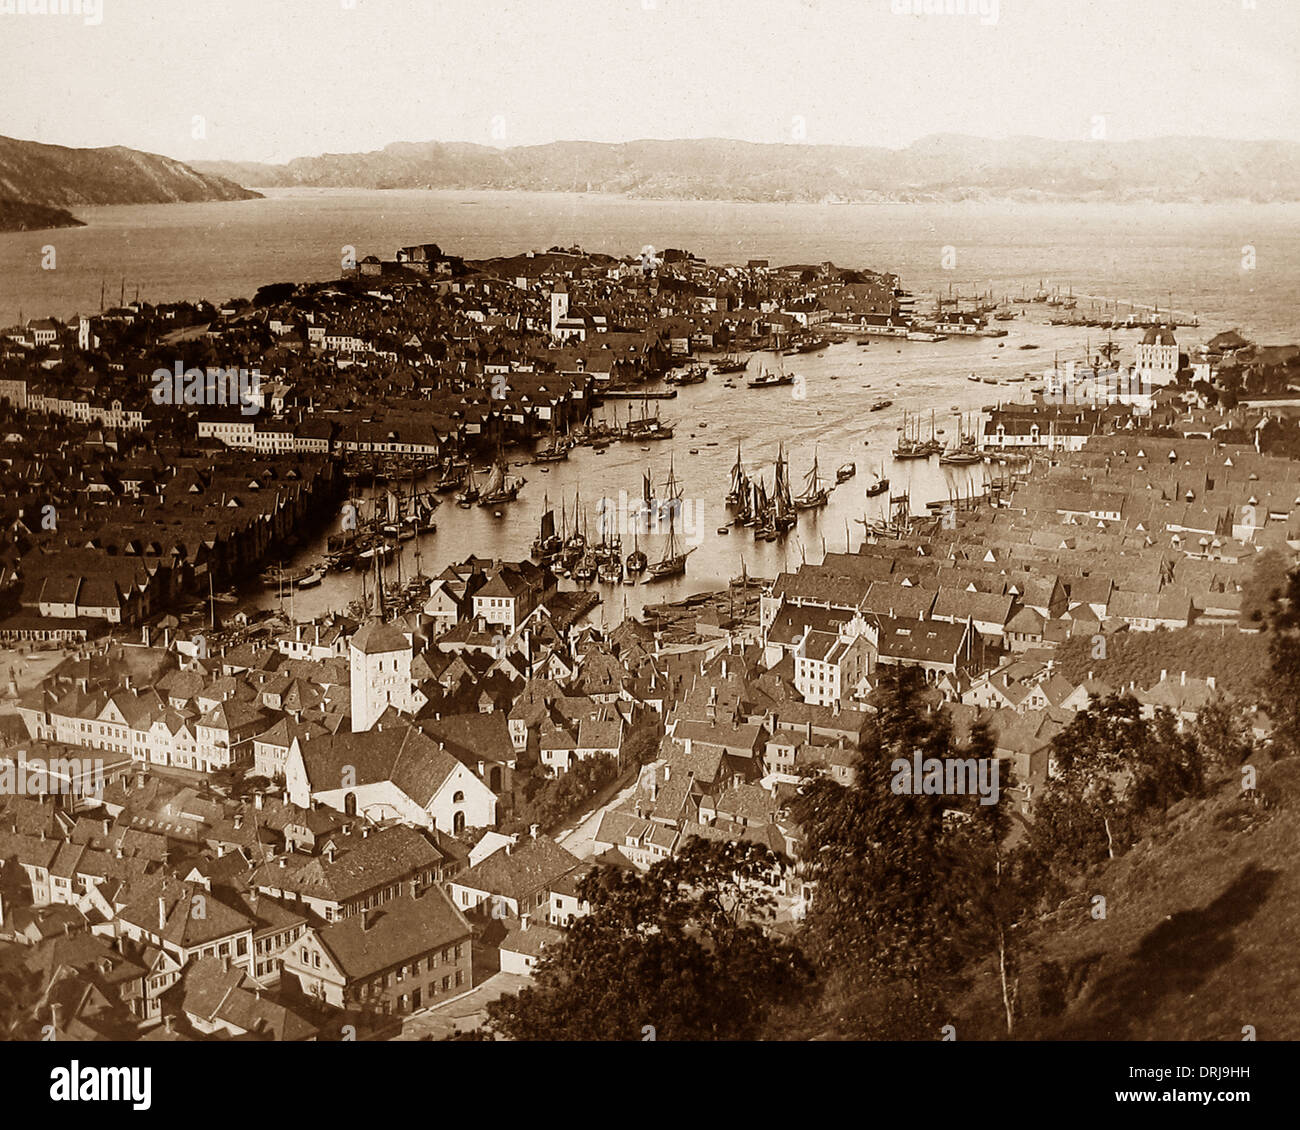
point(1141, 253)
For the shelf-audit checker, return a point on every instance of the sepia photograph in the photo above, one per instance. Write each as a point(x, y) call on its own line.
point(552, 522)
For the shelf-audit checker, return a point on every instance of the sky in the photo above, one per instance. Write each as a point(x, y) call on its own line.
point(268, 80)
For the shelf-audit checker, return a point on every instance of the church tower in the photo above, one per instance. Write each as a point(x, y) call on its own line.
point(559, 306)
point(381, 674)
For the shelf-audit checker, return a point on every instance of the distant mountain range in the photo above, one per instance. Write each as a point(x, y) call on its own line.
point(57, 177)
point(944, 167)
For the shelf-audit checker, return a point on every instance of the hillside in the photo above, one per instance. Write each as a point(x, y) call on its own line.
point(943, 167)
point(1198, 938)
point(34, 217)
point(56, 176)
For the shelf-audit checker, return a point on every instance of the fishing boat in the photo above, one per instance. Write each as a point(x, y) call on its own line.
point(585, 569)
point(878, 485)
point(846, 471)
point(881, 405)
point(814, 494)
point(694, 375)
point(611, 572)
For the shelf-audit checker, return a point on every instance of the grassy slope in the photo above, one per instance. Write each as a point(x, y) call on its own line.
point(1199, 934)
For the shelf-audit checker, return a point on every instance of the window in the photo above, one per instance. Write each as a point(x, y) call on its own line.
point(446, 984)
point(459, 950)
point(460, 977)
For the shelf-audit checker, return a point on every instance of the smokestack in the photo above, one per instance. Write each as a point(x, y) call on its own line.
point(162, 913)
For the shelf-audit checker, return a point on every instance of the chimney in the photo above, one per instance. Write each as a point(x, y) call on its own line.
point(258, 801)
point(413, 887)
point(1182, 681)
point(523, 921)
point(532, 830)
point(283, 863)
point(162, 913)
point(239, 821)
point(1209, 681)
point(365, 831)
point(668, 773)
point(108, 827)
point(168, 1021)
point(1163, 673)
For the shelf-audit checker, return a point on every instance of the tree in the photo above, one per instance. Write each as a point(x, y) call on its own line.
point(679, 953)
point(885, 907)
point(1112, 767)
point(1283, 692)
point(1223, 734)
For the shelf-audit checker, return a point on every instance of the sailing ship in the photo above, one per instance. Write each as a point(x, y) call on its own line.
point(470, 493)
point(814, 495)
point(777, 514)
point(500, 487)
point(768, 379)
point(909, 447)
point(636, 560)
point(548, 543)
point(648, 427)
point(963, 452)
point(673, 562)
point(554, 450)
point(731, 364)
point(738, 493)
